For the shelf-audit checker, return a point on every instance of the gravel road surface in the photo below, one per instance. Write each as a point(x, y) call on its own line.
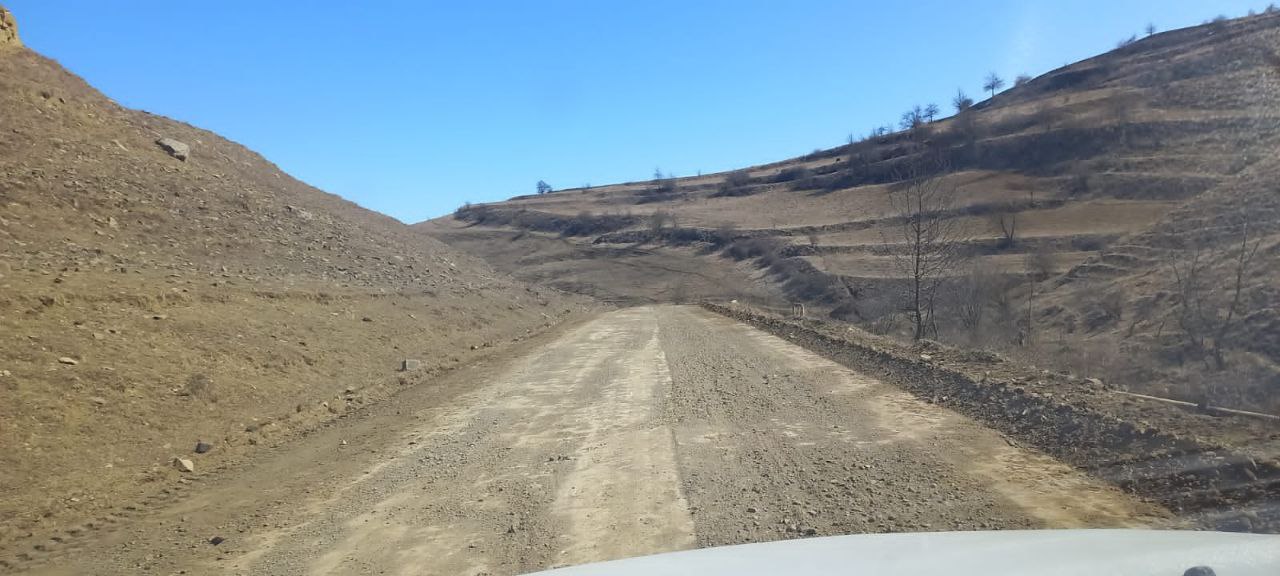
point(643, 430)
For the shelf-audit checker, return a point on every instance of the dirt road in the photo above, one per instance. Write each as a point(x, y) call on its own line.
point(644, 430)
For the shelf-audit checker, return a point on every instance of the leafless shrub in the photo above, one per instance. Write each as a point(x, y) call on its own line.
point(199, 386)
point(737, 183)
point(1039, 264)
point(1005, 221)
point(659, 220)
point(747, 248)
point(912, 119)
point(973, 294)
point(726, 234)
point(791, 174)
point(1207, 310)
point(1102, 307)
point(883, 310)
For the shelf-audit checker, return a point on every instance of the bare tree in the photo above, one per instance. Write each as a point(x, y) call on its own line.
point(912, 119)
point(1039, 266)
point(992, 83)
point(1204, 313)
point(961, 102)
point(543, 187)
point(662, 184)
point(926, 246)
point(1021, 79)
point(1005, 220)
point(1151, 29)
point(931, 111)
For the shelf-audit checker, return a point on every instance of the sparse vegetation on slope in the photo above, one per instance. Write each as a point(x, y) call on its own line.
point(1061, 183)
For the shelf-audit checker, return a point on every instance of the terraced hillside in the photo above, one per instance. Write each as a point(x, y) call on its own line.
point(1077, 193)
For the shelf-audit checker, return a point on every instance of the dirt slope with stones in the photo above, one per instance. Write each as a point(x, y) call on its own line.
point(161, 286)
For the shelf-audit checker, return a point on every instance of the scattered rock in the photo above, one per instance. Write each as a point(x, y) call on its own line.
point(175, 148)
point(202, 447)
point(409, 365)
point(184, 465)
point(751, 510)
point(303, 214)
point(100, 401)
point(68, 361)
point(216, 540)
point(366, 319)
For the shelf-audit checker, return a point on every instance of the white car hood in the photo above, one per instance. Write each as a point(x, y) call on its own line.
point(999, 553)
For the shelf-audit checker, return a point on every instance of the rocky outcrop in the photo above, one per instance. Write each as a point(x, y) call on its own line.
point(175, 148)
point(8, 29)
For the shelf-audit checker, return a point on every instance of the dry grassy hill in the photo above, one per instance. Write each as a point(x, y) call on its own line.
point(1076, 194)
point(148, 302)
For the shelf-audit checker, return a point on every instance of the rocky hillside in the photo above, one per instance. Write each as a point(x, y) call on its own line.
point(8, 29)
point(161, 286)
point(1073, 194)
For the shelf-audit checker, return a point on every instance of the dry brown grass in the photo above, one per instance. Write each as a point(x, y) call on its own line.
point(1090, 158)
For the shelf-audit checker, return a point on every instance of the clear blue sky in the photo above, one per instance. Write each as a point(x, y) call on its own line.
point(413, 107)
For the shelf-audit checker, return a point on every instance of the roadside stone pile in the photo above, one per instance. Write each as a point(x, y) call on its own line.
point(1154, 452)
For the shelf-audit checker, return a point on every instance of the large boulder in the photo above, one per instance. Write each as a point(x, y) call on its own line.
point(174, 148)
point(8, 29)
